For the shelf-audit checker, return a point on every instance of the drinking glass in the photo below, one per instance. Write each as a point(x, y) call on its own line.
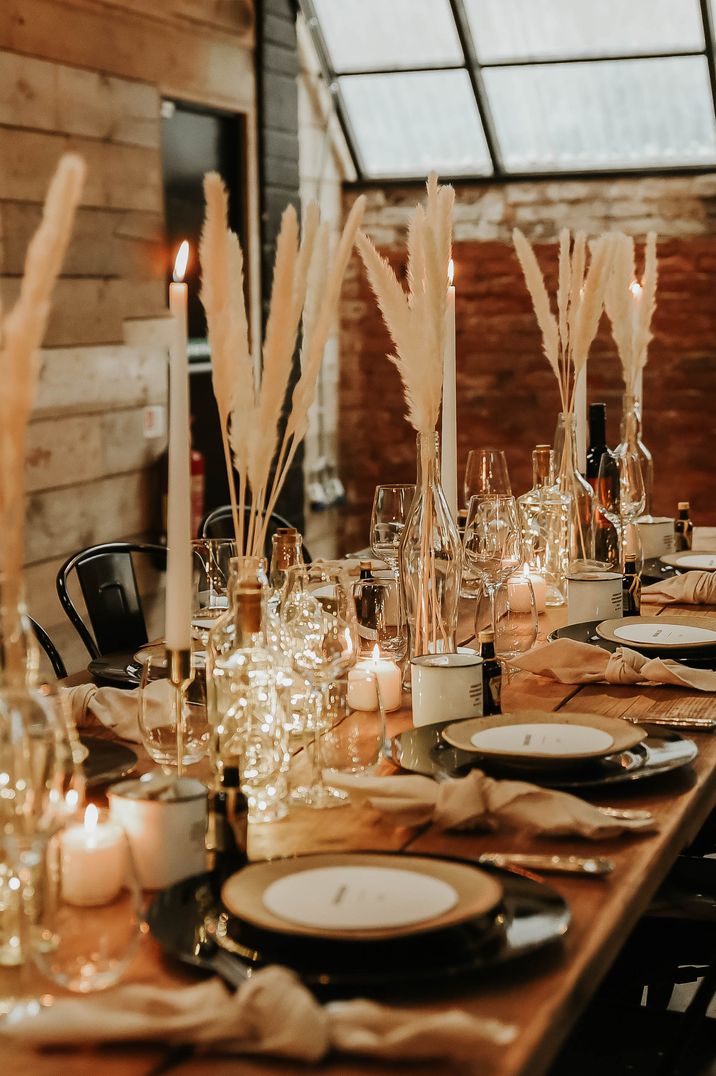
point(321, 637)
point(380, 617)
point(486, 472)
point(492, 543)
point(210, 575)
point(620, 490)
point(157, 720)
point(93, 904)
point(391, 505)
point(41, 787)
point(516, 621)
point(355, 729)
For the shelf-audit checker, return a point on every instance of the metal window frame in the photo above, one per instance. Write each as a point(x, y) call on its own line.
point(474, 69)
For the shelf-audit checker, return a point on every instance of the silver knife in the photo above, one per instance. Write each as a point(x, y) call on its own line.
point(592, 866)
point(693, 724)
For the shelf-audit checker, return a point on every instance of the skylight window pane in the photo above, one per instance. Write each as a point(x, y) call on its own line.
point(406, 125)
point(548, 29)
point(370, 35)
point(615, 114)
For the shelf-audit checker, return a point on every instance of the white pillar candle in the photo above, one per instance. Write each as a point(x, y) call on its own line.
point(93, 861)
point(178, 588)
point(518, 591)
point(362, 687)
point(448, 460)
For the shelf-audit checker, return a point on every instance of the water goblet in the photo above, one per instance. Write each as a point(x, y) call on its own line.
point(486, 473)
point(492, 543)
point(516, 620)
point(391, 505)
point(157, 719)
point(620, 490)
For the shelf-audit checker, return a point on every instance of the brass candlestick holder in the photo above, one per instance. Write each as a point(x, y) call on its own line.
point(181, 674)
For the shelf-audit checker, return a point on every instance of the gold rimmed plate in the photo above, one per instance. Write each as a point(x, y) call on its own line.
point(690, 561)
point(359, 896)
point(532, 738)
point(661, 634)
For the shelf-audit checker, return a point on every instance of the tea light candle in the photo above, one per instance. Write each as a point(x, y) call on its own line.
point(518, 591)
point(93, 861)
point(361, 688)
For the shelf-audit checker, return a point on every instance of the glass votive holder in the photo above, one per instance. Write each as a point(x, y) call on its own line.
point(354, 726)
point(92, 904)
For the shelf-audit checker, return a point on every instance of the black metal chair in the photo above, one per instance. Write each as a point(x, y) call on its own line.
point(51, 651)
point(219, 524)
point(109, 587)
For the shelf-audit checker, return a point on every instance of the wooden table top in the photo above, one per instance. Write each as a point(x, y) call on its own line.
point(542, 995)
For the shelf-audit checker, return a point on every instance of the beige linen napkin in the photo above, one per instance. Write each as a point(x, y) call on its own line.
point(691, 588)
point(108, 706)
point(481, 802)
point(272, 1013)
point(571, 662)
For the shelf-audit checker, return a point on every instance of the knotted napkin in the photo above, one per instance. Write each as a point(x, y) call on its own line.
point(109, 706)
point(571, 662)
point(691, 588)
point(272, 1013)
point(481, 802)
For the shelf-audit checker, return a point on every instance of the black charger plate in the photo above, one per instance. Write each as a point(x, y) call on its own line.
point(116, 670)
point(424, 751)
point(106, 760)
point(530, 917)
point(587, 633)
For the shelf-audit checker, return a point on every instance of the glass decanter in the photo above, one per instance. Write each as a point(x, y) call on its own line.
point(430, 559)
point(545, 516)
point(246, 696)
point(630, 434)
point(571, 482)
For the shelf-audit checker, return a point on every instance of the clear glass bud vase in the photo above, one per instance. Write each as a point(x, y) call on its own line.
point(571, 481)
point(630, 433)
point(430, 559)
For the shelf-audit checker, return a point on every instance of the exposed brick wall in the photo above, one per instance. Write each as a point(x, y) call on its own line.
point(507, 395)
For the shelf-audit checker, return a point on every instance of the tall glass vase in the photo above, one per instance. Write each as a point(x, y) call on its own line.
point(630, 433)
point(572, 482)
point(430, 559)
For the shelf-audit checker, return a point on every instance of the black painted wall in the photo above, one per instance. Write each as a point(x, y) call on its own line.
point(277, 71)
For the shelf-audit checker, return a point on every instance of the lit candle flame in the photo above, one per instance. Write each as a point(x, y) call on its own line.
point(181, 262)
point(91, 816)
point(636, 289)
point(451, 272)
point(376, 654)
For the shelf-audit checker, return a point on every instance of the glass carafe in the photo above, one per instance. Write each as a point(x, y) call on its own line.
point(544, 516)
point(430, 559)
point(570, 481)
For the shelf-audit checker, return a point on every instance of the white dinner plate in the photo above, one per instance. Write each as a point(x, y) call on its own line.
point(662, 633)
point(359, 896)
point(688, 561)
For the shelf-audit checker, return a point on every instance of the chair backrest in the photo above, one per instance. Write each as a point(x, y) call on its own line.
point(53, 654)
point(109, 587)
point(219, 524)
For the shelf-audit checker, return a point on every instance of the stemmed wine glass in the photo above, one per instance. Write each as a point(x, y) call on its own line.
point(391, 505)
point(516, 621)
point(486, 473)
point(320, 635)
point(492, 542)
point(621, 494)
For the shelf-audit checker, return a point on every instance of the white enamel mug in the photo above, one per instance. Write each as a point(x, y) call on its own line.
point(657, 535)
point(446, 687)
point(593, 595)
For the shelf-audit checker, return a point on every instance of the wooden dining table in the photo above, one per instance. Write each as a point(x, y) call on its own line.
point(544, 994)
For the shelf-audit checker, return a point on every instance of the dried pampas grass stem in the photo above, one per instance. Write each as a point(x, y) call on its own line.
point(630, 305)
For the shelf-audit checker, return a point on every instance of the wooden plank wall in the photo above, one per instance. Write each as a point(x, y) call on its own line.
point(89, 75)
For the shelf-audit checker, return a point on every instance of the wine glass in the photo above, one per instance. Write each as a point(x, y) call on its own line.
point(157, 719)
point(516, 621)
point(380, 616)
point(321, 639)
point(486, 472)
point(620, 490)
point(391, 505)
point(492, 542)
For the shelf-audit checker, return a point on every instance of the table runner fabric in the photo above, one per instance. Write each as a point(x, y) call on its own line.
point(112, 707)
point(272, 1013)
point(691, 588)
point(570, 662)
point(481, 802)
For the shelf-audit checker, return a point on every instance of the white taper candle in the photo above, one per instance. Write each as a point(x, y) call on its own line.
point(179, 569)
point(448, 456)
